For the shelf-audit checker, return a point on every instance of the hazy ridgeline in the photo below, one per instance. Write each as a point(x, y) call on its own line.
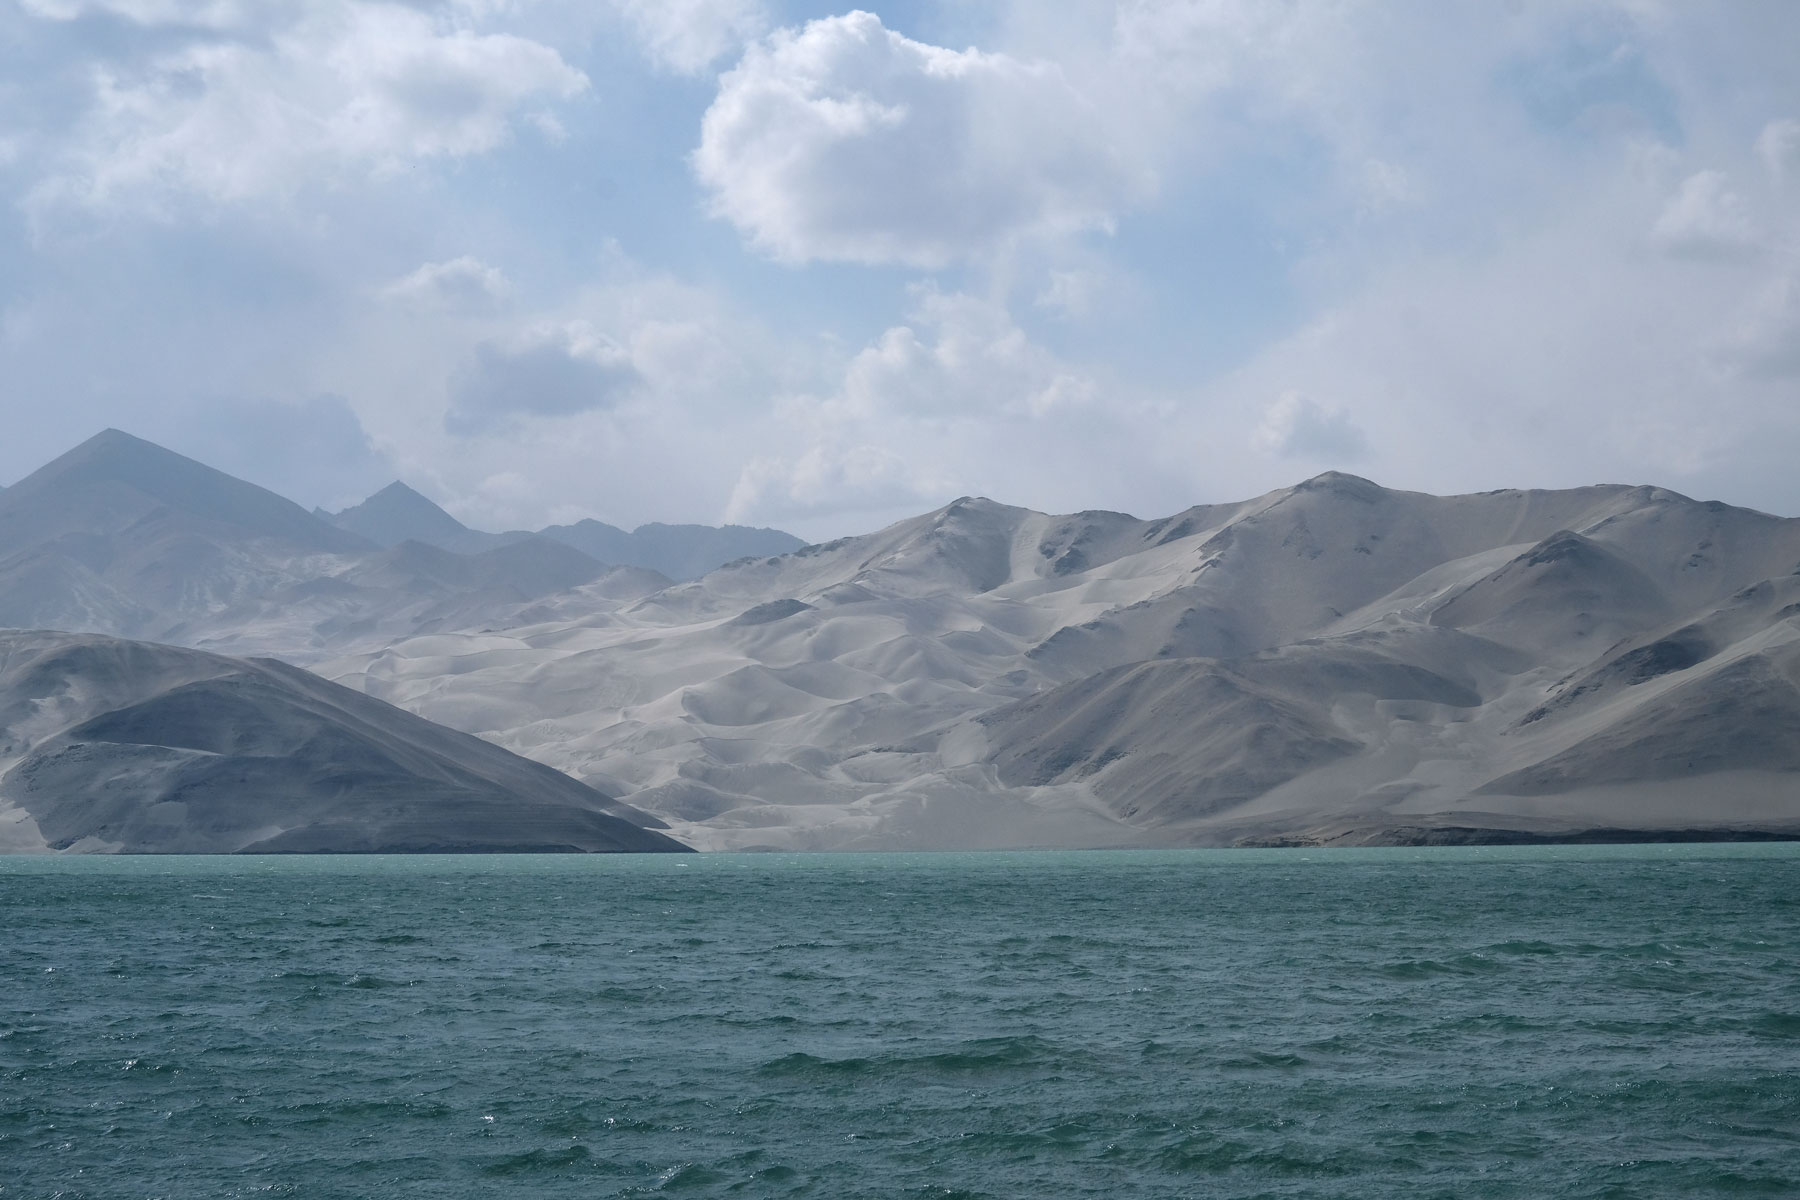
point(1329, 663)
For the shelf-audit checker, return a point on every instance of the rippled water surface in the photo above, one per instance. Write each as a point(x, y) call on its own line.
point(1568, 1022)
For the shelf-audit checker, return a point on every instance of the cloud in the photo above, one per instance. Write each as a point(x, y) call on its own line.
point(203, 14)
point(348, 88)
point(971, 359)
point(1779, 146)
point(829, 479)
point(1090, 288)
point(464, 284)
point(957, 400)
point(1436, 233)
point(1561, 354)
point(1296, 426)
point(688, 36)
point(1385, 188)
point(1765, 341)
point(1705, 219)
point(845, 141)
point(552, 372)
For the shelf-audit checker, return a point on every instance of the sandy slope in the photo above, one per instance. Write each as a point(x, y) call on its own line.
point(1331, 660)
point(112, 745)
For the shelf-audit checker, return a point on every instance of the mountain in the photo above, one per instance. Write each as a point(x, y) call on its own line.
point(124, 536)
point(410, 590)
point(1332, 662)
point(114, 482)
point(397, 513)
point(117, 746)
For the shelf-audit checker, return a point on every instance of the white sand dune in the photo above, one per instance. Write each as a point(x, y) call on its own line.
point(1330, 661)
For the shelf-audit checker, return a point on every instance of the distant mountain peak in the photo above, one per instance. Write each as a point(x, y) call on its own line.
point(398, 491)
point(398, 513)
point(116, 449)
point(115, 479)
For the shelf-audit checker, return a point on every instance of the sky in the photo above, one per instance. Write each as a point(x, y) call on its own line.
point(823, 268)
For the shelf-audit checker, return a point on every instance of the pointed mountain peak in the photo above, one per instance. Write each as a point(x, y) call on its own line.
point(114, 479)
point(397, 513)
point(117, 452)
point(399, 493)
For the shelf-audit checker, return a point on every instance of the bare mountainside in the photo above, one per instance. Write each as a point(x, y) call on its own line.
point(398, 514)
point(117, 746)
point(122, 537)
point(1333, 662)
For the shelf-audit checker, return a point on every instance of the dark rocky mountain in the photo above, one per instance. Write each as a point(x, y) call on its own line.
point(118, 746)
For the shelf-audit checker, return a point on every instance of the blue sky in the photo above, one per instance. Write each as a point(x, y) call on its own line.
point(820, 268)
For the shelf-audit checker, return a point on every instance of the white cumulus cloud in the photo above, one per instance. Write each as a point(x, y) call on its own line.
point(846, 141)
point(959, 355)
point(348, 87)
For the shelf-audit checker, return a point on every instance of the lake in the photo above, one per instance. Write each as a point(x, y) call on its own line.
point(1615, 1021)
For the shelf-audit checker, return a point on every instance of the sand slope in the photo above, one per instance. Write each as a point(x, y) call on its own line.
point(1331, 661)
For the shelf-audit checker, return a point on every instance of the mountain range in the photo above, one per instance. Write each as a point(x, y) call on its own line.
point(122, 537)
point(1331, 663)
point(398, 514)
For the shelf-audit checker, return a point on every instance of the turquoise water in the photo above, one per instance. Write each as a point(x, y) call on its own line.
point(1519, 1022)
